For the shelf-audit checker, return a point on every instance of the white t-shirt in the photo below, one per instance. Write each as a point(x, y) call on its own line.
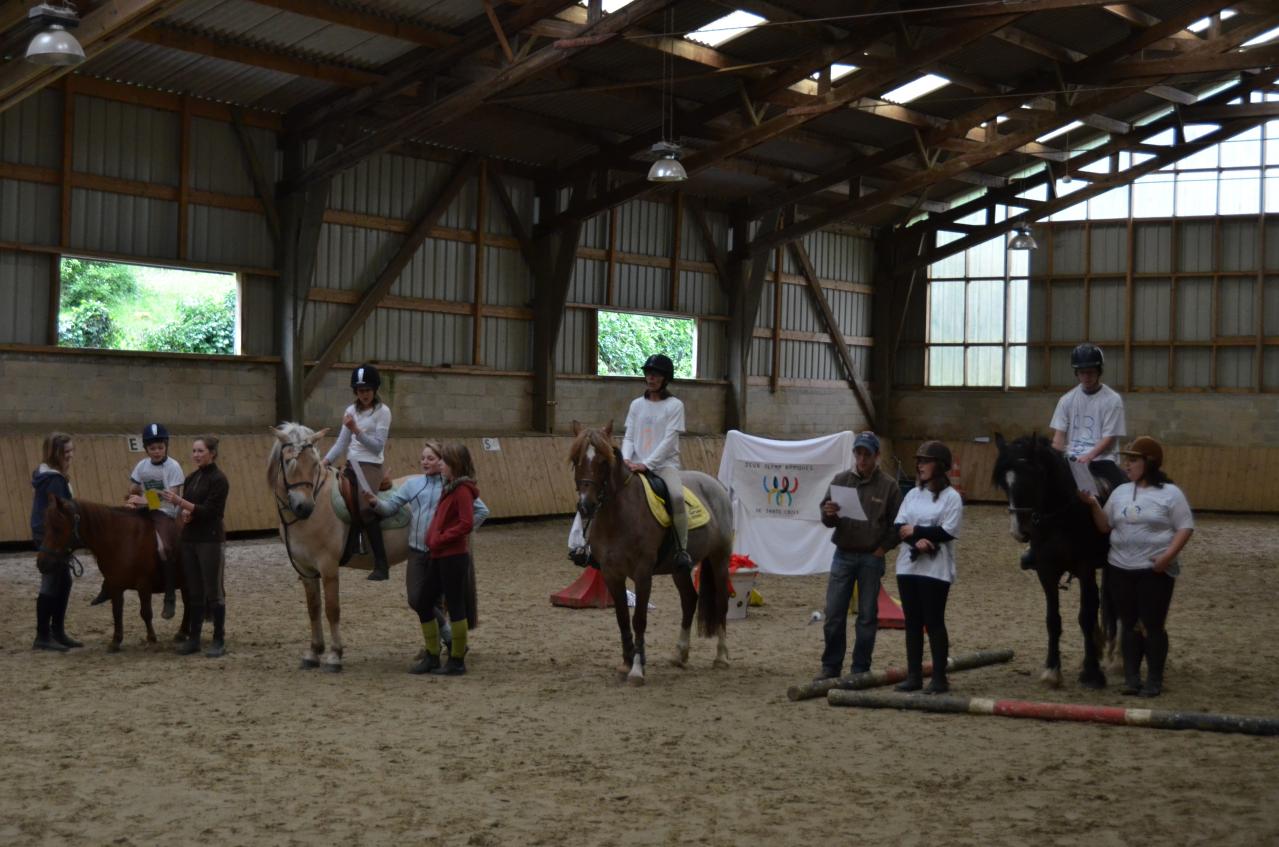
point(368, 447)
point(652, 432)
point(153, 477)
point(1088, 418)
point(919, 509)
point(1143, 521)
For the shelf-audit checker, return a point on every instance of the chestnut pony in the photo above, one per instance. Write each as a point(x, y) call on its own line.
point(123, 542)
point(625, 540)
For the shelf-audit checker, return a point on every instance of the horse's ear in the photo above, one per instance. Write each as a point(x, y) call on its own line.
point(279, 434)
point(316, 436)
point(608, 429)
point(577, 427)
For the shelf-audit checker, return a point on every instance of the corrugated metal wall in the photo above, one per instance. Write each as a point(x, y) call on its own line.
point(24, 280)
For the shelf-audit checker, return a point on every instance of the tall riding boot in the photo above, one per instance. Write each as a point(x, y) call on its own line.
point(1156, 657)
point(58, 628)
point(914, 662)
point(679, 520)
point(940, 645)
point(169, 568)
point(373, 530)
point(43, 639)
point(1132, 645)
point(218, 648)
point(192, 644)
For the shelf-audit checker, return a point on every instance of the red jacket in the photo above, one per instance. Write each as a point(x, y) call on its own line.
point(454, 518)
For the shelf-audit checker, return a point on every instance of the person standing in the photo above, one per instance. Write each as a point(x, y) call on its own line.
point(203, 508)
point(366, 424)
point(653, 426)
point(449, 540)
point(928, 524)
point(860, 546)
point(1149, 522)
point(52, 477)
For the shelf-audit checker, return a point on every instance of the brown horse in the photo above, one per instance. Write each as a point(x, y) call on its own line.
point(626, 541)
point(123, 543)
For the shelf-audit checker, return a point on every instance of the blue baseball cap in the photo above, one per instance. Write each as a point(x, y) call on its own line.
point(867, 439)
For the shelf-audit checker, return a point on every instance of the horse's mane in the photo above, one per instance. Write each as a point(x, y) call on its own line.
point(295, 432)
point(1032, 450)
point(592, 438)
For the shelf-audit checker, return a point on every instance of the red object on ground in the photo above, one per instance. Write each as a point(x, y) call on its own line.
point(588, 591)
point(890, 612)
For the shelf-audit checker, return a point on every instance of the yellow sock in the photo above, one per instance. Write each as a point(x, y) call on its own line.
point(459, 639)
point(431, 634)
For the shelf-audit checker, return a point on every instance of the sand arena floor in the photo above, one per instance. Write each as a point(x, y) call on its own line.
point(539, 744)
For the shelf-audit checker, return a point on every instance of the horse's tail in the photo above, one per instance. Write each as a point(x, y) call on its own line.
point(712, 596)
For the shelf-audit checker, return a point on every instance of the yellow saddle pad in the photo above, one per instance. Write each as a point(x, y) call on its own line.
point(698, 515)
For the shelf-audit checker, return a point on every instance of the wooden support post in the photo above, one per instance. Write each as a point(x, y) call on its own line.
point(184, 178)
point(257, 173)
point(55, 299)
point(481, 226)
point(776, 365)
point(513, 219)
point(391, 272)
point(748, 284)
point(718, 259)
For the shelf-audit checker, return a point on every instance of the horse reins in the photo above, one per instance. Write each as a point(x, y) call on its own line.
point(282, 505)
point(67, 554)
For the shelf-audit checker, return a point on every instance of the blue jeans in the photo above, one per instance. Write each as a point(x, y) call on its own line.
point(846, 570)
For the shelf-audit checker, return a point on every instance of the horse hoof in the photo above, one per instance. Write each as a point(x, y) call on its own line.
point(634, 680)
point(1051, 678)
point(1094, 681)
point(309, 664)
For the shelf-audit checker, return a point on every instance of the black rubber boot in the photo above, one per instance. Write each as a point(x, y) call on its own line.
point(170, 599)
point(58, 626)
point(192, 644)
point(913, 682)
point(373, 530)
point(426, 663)
point(218, 648)
point(914, 663)
point(683, 561)
point(352, 544)
point(102, 597)
point(453, 667)
point(939, 684)
point(44, 641)
point(1156, 657)
point(1132, 645)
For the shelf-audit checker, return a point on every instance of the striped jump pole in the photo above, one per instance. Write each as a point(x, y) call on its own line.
point(1149, 718)
point(888, 676)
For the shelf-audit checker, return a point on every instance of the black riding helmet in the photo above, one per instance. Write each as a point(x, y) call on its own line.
point(936, 451)
point(660, 365)
point(154, 432)
point(1087, 355)
point(366, 376)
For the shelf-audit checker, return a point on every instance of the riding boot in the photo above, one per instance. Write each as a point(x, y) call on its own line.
point(43, 639)
point(429, 659)
point(373, 530)
point(59, 615)
point(1156, 656)
point(914, 662)
point(218, 648)
point(192, 644)
point(679, 520)
point(170, 606)
point(1131, 645)
point(103, 595)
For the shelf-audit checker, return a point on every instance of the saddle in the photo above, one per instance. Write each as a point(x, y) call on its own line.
point(657, 496)
point(345, 504)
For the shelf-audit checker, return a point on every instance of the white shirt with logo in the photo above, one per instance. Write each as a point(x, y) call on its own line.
point(652, 432)
point(1143, 521)
point(153, 477)
point(920, 509)
point(1088, 418)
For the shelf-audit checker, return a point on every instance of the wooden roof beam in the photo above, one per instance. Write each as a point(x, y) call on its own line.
point(330, 12)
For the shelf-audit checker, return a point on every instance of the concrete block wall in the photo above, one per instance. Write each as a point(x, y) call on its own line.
point(595, 401)
point(97, 392)
point(798, 412)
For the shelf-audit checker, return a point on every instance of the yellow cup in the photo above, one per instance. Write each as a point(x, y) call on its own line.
point(153, 499)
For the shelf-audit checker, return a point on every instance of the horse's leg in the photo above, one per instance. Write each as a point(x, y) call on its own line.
point(333, 611)
point(643, 589)
point(144, 609)
point(311, 658)
point(688, 608)
point(1091, 676)
point(719, 571)
point(117, 620)
point(1052, 665)
point(616, 582)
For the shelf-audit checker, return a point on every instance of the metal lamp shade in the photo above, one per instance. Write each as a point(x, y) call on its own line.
point(667, 169)
point(1023, 240)
point(55, 46)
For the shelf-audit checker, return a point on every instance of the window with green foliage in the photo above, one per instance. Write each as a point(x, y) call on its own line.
point(115, 306)
point(626, 340)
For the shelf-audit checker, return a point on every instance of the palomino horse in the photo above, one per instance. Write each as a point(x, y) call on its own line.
point(625, 540)
point(123, 541)
point(314, 535)
point(1045, 510)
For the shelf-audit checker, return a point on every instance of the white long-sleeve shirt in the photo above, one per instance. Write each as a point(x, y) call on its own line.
point(374, 425)
point(652, 432)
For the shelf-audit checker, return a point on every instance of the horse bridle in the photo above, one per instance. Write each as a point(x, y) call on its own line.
point(282, 503)
point(67, 555)
point(1037, 517)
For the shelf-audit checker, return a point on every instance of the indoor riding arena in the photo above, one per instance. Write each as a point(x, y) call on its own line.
point(1008, 237)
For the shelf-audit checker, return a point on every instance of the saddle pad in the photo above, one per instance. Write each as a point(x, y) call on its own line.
point(698, 515)
point(397, 521)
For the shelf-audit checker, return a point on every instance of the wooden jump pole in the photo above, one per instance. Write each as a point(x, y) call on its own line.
point(888, 676)
point(1148, 718)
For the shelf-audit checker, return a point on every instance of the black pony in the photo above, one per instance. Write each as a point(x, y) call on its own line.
point(1045, 509)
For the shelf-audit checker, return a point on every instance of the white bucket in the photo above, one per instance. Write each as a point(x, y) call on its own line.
point(743, 580)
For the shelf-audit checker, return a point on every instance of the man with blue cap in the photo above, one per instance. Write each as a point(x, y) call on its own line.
point(860, 546)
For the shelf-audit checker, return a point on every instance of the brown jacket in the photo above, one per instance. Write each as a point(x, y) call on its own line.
point(880, 497)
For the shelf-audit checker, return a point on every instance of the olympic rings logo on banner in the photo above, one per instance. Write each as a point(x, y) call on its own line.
point(786, 488)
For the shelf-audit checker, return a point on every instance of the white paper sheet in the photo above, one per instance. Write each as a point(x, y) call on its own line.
point(850, 506)
point(1083, 478)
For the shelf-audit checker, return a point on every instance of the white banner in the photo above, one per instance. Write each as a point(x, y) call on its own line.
point(777, 489)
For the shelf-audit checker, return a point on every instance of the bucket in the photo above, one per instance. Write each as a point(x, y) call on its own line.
point(740, 584)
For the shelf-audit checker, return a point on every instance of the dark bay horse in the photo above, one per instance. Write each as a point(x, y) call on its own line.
point(123, 542)
point(625, 540)
point(1045, 510)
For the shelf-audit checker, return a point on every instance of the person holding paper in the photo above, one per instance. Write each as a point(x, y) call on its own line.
point(859, 505)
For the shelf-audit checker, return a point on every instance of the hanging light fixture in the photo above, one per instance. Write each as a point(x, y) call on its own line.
point(666, 166)
point(53, 45)
point(1023, 240)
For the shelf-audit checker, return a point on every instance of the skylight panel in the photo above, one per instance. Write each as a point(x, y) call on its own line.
point(926, 84)
point(1268, 35)
point(723, 29)
point(1203, 23)
point(610, 6)
point(1061, 130)
point(837, 71)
